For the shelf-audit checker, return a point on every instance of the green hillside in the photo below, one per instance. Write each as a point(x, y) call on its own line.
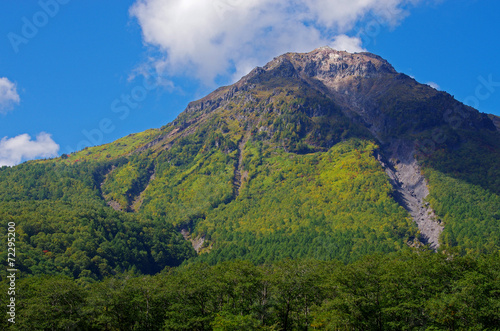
point(64, 227)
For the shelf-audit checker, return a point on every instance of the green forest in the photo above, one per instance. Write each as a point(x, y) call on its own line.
point(409, 290)
point(464, 182)
point(64, 227)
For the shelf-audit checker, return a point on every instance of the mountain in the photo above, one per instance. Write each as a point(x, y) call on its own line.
point(327, 155)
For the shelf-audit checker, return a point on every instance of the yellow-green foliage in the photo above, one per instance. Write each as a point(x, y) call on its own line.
point(119, 182)
point(179, 195)
point(305, 183)
point(120, 147)
point(342, 189)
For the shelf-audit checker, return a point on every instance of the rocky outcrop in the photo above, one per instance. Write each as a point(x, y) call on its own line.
point(239, 174)
point(410, 189)
point(114, 204)
point(496, 121)
point(110, 202)
point(197, 242)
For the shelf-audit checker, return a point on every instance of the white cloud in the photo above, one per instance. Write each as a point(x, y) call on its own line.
point(8, 95)
point(21, 148)
point(433, 85)
point(346, 43)
point(212, 38)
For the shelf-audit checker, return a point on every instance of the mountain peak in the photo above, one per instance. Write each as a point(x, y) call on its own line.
point(364, 86)
point(325, 63)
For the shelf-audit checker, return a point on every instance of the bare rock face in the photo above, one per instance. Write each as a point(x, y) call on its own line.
point(410, 190)
point(496, 121)
point(197, 242)
point(332, 67)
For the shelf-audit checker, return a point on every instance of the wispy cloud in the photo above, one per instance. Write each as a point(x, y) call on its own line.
point(8, 95)
point(21, 148)
point(433, 85)
point(209, 39)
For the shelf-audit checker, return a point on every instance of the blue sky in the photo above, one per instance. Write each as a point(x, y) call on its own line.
point(77, 73)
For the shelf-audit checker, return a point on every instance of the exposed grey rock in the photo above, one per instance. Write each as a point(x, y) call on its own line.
point(410, 189)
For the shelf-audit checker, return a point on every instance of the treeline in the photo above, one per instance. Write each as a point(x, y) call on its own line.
point(411, 290)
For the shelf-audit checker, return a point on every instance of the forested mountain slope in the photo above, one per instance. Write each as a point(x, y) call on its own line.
point(326, 154)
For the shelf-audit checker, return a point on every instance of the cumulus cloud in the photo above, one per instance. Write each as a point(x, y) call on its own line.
point(212, 38)
point(21, 148)
point(8, 95)
point(346, 43)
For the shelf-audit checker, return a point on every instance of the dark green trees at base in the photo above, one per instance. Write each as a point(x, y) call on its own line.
point(413, 290)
